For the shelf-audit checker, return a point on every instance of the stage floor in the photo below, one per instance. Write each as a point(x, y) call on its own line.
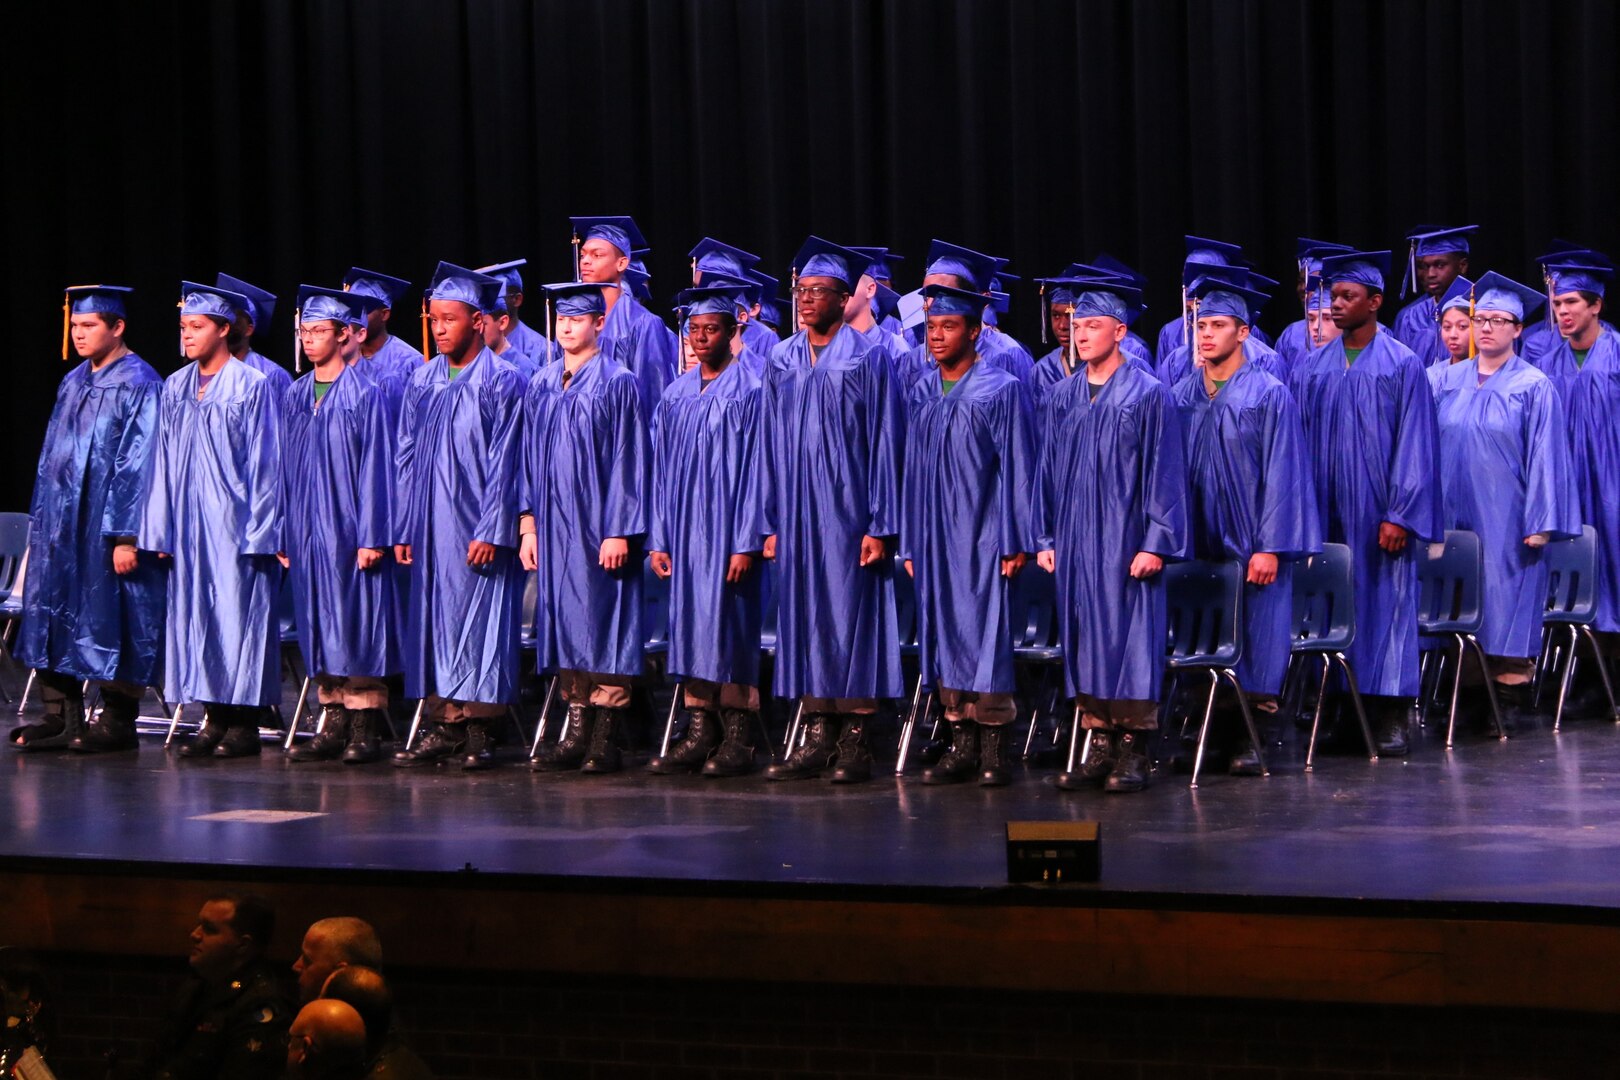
point(1532, 821)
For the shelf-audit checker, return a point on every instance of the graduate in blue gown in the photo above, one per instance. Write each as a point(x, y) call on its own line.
point(758, 332)
point(498, 324)
point(1455, 317)
point(863, 313)
point(92, 605)
point(1252, 499)
point(586, 464)
point(528, 341)
point(704, 538)
point(1180, 362)
point(1592, 402)
point(1201, 253)
point(1062, 363)
point(963, 268)
point(1001, 283)
point(831, 438)
point(254, 318)
point(965, 533)
point(337, 484)
point(387, 359)
point(1435, 258)
point(455, 524)
point(1300, 337)
point(1370, 432)
point(632, 335)
point(1110, 509)
point(880, 268)
point(214, 511)
point(1562, 354)
point(1504, 461)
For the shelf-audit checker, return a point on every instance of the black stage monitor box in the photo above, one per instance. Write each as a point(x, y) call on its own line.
point(1053, 852)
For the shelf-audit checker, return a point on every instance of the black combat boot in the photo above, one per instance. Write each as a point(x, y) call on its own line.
point(63, 719)
point(479, 753)
point(735, 757)
point(604, 755)
point(439, 743)
point(365, 732)
point(241, 739)
point(961, 760)
point(113, 728)
point(816, 754)
point(216, 722)
point(1390, 734)
point(329, 742)
point(688, 755)
point(854, 758)
point(1099, 763)
point(1131, 769)
point(993, 771)
point(569, 751)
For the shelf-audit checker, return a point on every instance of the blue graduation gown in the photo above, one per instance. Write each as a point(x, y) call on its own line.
point(1173, 334)
point(1178, 365)
point(1111, 483)
point(1416, 328)
point(215, 507)
point(280, 380)
point(1592, 403)
point(585, 462)
point(759, 337)
point(78, 616)
point(1293, 345)
point(639, 340)
point(1049, 371)
point(527, 366)
point(337, 483)
point(970, 474)
point(831, 438)
point(457, 468)
point(530, 342)
point(1504, 463)
point(996, 349)
point(1370, 433)
point(705, 509)
point(1251, 491)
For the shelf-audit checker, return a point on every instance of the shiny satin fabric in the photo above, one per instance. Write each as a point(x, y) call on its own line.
point(996, 350)
point(1371, 439)
point(1250, 490)
point(1554, 358)
point(585, 476)
point(1048, 372)
point(705, 509)
point(831, 439)
point(1111, 483)
point(639, 340)
point(456, 473)
point(759, 337)
point(215, 507)
point(532, 343)
point(391, 368)
point(1173, 335)
point(1417, 328)
point(1505, 470)
point(968, 491)
point(1591, 405)
point(1178, 365)
point(78, 616)
point(280, 380)
point(337, 477)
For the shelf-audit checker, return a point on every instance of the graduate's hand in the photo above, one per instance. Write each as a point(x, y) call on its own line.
point(1391, 537)
point(1262, 568)
point(1047, 560)
point(162, 554)
point(124, 558)
point(368, 558)
point(281, 557)
point(909, 571)
point(480, 553)
point(615, 550)
point(770, 547)
point(529, 551)
point(1536, 540)
point(1145, 565)
point(660, 564)
point(871, 550)
point(738, 568)
point(1014, 563)
point(402, 554)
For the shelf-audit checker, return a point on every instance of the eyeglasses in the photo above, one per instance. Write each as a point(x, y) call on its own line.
point(1493, 322)
point(815, 292)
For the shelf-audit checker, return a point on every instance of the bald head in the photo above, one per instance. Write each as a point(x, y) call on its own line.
point(330, 944)
point(367, 991)
point(327, 1038)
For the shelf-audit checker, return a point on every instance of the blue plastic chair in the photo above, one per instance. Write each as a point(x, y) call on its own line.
point(1324, 628)
point(1450, 577)
point(1571, 607)
point(1204, 603)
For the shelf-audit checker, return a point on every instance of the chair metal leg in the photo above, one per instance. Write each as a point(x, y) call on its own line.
point(174, 723)
point(1085, 747)
point(1603, 670)
point(298, 715)
point(1541, 666)
point(906, 729)
point(1356, 703)
point(1203, 729)
point(545, 711)
point(669, 721)
point(1456, 691)
point(1490, 684)
point(28, 688)
point(1074, 737)
point(793, 727)
point(1316, 715)
point(1035, 713)
point(1248, 717)
point(416, 724)
point(1567, 678)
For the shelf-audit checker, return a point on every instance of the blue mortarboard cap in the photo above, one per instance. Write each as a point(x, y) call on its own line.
point(710, 299)
point(769, 287)
point(621, 232)
point(212, 300)
point(317, 303)
point(1306, 248)
point(575, 298)
point(1566, 251)
point(770, 311)
point(1567, 277)
point(823, 258)
point(1217, 295)
point(1427, 240)
point(1057, 290)
point(971, 266)
point(452, 282)
point(637, 277)
point(1236, 275)
point(1110, 265)
point(390, 290)
point(1496, 292)
point(1099, 297)
point(1367, 268)
point(508, 272)
point(886, 301)
point(880, 262)
point(1318, 298)
point(1460, 294)
point(261, 304)
point(748, 290)
point(713, 257)
point(98, 299)
point(1001, 278)
point(947, 300)
point(1212, 252)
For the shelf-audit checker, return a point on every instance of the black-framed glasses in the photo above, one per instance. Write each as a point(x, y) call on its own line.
point(1493, 322)
point(816, 292)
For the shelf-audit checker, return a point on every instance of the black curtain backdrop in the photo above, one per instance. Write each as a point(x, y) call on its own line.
point(282, 141)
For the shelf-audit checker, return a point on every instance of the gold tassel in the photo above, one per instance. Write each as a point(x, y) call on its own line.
point(426, 356)
point(67, 321)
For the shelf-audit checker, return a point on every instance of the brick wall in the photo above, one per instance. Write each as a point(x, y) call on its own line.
point(468, 1024)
